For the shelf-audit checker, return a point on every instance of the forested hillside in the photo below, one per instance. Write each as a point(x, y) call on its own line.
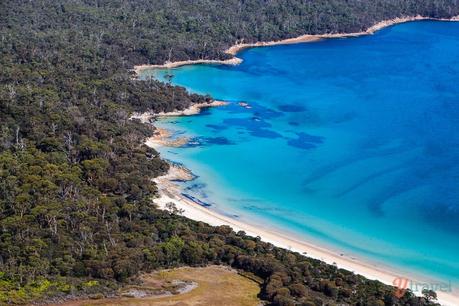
point(75, 180)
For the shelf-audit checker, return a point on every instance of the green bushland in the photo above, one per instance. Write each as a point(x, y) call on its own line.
point(76, 215)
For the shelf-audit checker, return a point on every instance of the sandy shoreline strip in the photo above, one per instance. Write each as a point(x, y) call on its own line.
point(236, 48)
point(168, 65)
point(193, 109)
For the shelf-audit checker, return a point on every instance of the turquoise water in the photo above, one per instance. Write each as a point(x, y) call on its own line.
point(352, 143)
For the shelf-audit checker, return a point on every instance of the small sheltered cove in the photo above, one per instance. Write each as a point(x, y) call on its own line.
point(165, 137)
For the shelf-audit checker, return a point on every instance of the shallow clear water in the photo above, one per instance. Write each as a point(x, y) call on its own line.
point(353, 143)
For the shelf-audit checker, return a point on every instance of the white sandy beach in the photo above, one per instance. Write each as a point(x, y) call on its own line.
point(170, 192)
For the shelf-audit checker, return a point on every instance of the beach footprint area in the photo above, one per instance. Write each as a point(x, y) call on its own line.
point(350, 143)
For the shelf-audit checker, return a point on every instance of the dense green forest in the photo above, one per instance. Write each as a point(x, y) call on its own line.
point(76, 215)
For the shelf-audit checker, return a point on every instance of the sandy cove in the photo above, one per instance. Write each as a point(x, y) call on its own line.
point(236, 48)
point(170, 192)
point(163, 137)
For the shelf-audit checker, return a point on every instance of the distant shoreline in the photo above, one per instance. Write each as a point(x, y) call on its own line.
point(238, 47)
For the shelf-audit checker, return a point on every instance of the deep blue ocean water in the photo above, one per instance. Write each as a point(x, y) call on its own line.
point(352, 143)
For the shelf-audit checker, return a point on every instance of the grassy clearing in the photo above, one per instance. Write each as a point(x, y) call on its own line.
point(216, 286)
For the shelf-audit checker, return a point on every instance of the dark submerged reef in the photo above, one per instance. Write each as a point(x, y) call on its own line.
point(75, 180)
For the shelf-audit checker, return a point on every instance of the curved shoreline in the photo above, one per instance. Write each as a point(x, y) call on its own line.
point(236, 48)
point(171, 192)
